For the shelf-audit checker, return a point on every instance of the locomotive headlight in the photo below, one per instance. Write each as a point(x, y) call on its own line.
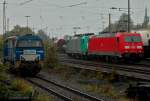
point(37, 58)
point(126, 47)
point(139, 47)
point(22, 58)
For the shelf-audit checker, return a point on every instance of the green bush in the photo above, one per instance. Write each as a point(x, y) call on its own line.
point(3, 69)
point(3, 90)
point(22, 86)
point(51, 57)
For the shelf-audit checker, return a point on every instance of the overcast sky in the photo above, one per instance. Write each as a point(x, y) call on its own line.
point(58, 18)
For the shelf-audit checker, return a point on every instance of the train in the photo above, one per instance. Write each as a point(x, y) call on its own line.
point(24, 54)
point(114, 47)
point(60, 45)
point(145, 34)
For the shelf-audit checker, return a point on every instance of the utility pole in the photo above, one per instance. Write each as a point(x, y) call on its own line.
point(109, 23)
point(103, 22)
point(7, 25)
point(129, 16)
point(27, 23)
point(129, 8)
point(4, 19)
point(75, 29)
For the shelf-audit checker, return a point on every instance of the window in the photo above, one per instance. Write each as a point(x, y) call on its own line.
point(128, 39)
point(10, 43)
point(136, 38)
point(132, 39)
point(29, 43)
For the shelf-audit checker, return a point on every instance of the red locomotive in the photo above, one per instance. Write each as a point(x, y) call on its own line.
point(116, 46)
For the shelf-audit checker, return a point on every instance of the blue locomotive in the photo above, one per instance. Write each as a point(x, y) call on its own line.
point(25, 54)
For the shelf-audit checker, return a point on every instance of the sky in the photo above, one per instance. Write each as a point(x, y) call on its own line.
point(60, 17)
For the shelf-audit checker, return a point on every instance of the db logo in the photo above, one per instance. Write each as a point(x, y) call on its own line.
point(133, 47)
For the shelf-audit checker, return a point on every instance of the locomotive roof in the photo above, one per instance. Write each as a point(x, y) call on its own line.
point(142, 31)
point(85, 34)
point(24, 37)
point(29, 36)
point(11, 37)
point(113, 34)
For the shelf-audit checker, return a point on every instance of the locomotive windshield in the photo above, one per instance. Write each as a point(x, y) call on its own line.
point(29, 43)
point(132, 39)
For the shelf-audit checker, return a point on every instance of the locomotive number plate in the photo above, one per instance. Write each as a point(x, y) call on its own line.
point(29, 52)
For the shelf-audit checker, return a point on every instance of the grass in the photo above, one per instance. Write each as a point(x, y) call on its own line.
point(106, 90)
point(68, 73)
point(99, 74)
point(22, 86)
point(17, 87)
point(125, 99)
point(4, 91)
point(42, 97)
point(87, 74)
point(3, 69)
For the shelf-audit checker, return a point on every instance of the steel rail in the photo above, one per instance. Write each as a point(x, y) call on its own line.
point(82, 94)
point(50, 90)
point(122, 70)
point(118, 67)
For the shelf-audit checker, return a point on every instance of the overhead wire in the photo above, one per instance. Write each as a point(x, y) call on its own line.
point(25, 2)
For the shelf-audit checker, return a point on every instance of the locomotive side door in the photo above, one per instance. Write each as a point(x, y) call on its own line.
point(11, 49)
point(84, 44)
point(117, 45)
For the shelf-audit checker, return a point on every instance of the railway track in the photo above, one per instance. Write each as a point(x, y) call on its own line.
point(137, 71)
point(61, 91)
point(144, 63)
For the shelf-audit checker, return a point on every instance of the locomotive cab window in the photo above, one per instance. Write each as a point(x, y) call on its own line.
point(29, 43)
point(132, 39)
point(128, 39)
point(136, 38)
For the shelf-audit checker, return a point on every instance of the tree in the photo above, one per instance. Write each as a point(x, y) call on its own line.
point(146, 20)
point(42, 35)
point(18, 30)
point(121, 24)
